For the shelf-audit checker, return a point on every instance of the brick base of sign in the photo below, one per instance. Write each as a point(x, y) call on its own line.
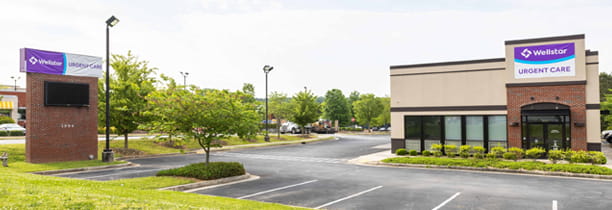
point(60, 133)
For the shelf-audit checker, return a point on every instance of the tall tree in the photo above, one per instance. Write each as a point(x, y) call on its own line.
point(280, 107)
point(367, 108)
point(305, 108)
point(605, 84)
point(385, 116)
point(336, 107)
point(130, 83)
point(354, 96)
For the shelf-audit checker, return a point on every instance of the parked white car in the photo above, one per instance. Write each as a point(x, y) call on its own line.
point(607, 135)
point(290, 127)
point(11, 127)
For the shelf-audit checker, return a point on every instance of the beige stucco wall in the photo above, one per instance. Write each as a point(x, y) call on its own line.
point(592, 126)
point(580, 63)
point(471, 88)
point(592, 75)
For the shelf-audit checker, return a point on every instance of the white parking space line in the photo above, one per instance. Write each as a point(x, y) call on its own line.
point(554, 205)
point(115, 174)
point(276, 189)
point(221, 185)
point(348, 197)
point(446, 201)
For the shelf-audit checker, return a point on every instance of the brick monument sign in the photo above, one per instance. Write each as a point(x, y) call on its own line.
point(62, 105)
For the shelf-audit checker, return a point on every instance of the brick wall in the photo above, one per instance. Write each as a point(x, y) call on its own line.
point(60, 133)
point(571, 95)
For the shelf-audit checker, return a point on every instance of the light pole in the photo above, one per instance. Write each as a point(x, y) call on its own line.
point(15, 78)
point(107, 154)
point(267, 70)
point(185, 74)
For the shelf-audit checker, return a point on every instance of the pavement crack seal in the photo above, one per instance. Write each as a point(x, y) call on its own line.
point(348, 197)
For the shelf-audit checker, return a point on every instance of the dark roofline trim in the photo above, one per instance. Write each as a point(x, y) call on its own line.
point(545, 39)
point(491, 60)
point(592, 63)
point(535, 84)
point(444, 72)
point(588, 52)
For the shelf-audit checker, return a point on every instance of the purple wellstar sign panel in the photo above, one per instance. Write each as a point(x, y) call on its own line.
point(48, 62)
point(553, 60)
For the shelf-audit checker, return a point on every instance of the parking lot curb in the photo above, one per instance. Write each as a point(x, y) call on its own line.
point(93, 168)
point(208, 183)
point(490, 169)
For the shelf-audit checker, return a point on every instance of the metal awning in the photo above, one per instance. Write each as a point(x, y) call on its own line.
point(6, 105)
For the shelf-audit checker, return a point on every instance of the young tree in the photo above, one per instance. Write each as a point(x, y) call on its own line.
point(354, 96)
point(336, 107)
point(385, 116)
point(305, 109)
point(210, 115)
point(367, 108)
point(163, 111)
point(130, 83)
point(280, 107)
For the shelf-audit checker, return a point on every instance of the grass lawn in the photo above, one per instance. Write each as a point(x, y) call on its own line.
point(27, 191)
point(496, 163)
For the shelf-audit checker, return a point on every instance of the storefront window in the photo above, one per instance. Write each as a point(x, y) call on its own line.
point(432, 131)
point(412, 132)
point(497, 131)
point(452, 129)
point(474, 130)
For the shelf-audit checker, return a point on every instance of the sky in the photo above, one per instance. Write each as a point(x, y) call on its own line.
point(317, 44)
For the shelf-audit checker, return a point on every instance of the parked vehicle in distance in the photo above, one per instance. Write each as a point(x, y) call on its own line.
point(12, 127)
point(323, 126)
point(290, 127)
point(607, 135)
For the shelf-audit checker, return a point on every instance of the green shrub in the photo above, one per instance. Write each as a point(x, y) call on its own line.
point(568, 153)
point(4, 133)
point(437, 149)
point(451, 150)
point(413, 152)
point(556, 155)
point(581, 157)
point(598, 157)
point(16, 133)
point(531, 165)
point(464, 151)
point(214, 170)
point(535, 152)
point(498, 151)
point(478, 149)
point(520, 153)
point(401, 151)
point(6, 119)
point(426, 153)
point(478, 155)
point(491, 155)
point(510, 156)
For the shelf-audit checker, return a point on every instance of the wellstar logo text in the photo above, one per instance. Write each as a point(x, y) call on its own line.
point(33, 60)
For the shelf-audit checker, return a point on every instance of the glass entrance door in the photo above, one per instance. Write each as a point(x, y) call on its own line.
point(548, 132)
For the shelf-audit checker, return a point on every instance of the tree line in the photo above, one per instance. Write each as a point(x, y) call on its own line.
point(141, 101)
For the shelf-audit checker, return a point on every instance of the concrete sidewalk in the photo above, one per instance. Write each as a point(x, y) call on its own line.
point(606, 148)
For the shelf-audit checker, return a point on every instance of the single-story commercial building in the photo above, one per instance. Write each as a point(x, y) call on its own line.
point(543, 93)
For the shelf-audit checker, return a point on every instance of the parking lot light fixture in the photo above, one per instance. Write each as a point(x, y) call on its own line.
point(267, 69)
point(107, 154)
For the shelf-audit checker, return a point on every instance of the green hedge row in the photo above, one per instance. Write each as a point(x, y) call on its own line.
point(482, 163)
point(12, 133)
point(214, 170)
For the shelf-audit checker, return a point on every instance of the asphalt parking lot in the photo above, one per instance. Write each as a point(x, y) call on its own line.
point(318, 175)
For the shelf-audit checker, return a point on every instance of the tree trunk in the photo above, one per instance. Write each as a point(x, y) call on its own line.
point(207, 150)
point(125, 143)
point(278, 129)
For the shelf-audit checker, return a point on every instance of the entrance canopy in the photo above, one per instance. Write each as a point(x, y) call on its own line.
point(540, 109)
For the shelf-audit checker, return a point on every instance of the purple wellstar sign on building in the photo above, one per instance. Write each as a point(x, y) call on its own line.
point(553, 60)
point(49, 62)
